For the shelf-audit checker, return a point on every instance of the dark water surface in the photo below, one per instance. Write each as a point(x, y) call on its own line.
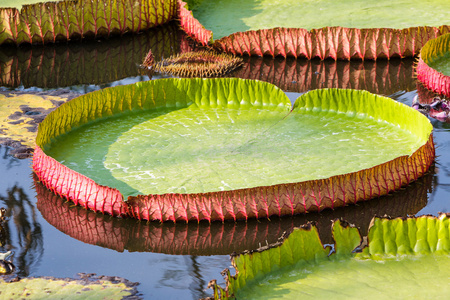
point(50, 237)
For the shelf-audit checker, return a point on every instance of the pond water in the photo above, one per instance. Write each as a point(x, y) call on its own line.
point(50, 237)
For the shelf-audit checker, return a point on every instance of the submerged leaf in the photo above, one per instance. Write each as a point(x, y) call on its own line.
point(20, 114)
point(88, 287)
point(404, 257)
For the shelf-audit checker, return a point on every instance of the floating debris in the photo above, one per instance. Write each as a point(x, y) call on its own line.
point(202, 63)
point(439, 108)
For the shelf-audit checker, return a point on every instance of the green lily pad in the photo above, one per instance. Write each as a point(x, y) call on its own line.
point(433, 68)
point(404, 258)
point(52, 21)
point(198, 136)
point(227, 17)
point(200, 150)
point(19, 3)
point(324, 29)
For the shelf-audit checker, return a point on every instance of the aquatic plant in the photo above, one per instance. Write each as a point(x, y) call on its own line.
point(401, 257)
point(243, 123)
point(433, 67)
point(194, 64)
point(78, 19)
point(323, 29)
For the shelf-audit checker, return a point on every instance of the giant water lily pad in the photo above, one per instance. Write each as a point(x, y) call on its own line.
point(433, 68)
point(228, 17)
point(326, 28)
point(404, 258)
point(228, 149)
point(51, 21)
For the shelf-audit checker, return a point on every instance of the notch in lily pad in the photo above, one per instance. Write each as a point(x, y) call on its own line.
point(404, 257)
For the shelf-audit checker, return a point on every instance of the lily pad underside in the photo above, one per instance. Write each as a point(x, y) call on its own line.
point(433, 68)
point(48, 22)
point(404, 258)
point(87, 287)
point(324, 29)
point(219, 149)
point(216, 238)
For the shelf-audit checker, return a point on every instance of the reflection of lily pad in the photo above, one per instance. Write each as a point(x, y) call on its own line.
point(229, 149)
point(88, 287)
point(339, 29)
point(216, 238)
point(433, 68)
point(384, 77)
point(90, 62)
point(404, 258)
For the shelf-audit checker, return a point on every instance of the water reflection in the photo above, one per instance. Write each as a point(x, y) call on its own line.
point(300, 75)
point(92, 62)
point(22, 232)
point(216, 238)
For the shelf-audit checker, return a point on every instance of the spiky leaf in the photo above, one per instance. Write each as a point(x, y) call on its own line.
point(325, 28)
point(245, 129)
point(433, 68)
point(65, 20)
point(419, 269)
